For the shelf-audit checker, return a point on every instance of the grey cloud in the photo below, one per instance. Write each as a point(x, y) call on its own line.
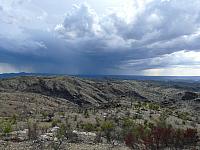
point(86, 42)
point(180, 58)
point(160, 22)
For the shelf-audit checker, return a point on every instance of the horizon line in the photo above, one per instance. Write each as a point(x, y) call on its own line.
point(66, 74)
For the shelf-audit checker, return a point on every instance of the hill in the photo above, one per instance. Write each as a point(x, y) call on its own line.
point(85, 105)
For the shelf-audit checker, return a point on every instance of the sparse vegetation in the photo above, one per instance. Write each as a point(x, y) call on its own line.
point(54, 123)
point(6, 126)
point(183, 115)
point(89, 127)
point(107, 127)
point(32, 129)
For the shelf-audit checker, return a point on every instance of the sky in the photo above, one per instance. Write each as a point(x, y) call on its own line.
point(104, 37)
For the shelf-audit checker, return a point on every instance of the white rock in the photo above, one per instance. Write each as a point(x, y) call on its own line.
point(54, 129)
point(55, 139)
point(46, 137)
point(84, 133)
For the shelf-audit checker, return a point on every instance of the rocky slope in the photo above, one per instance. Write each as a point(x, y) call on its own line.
point(37, 111)
point(84, 92)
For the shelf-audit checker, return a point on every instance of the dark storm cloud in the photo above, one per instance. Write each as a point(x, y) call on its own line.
point(147, 36)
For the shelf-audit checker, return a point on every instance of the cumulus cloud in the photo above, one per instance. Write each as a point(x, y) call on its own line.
point(154, 31)
point(81, 22)
point(152, 25)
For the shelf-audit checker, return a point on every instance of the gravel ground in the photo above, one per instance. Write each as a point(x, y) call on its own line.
point(65, 146)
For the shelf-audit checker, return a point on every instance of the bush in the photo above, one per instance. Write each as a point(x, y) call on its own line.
point(153, 106)
point(138, 105)
point(190, 136)
point(107, 127)
point(55, 122)
point(7, 127)
point(86, 114)
point(61, 114)
point(89, 127)
point(32, 129)
point(128, 123)
point(160, 136)
point(44, 114)
point(62, 131)
point(130, 140)
point(183, 115)
point(134, 137)
point(60, 135)
point(14, 119)
point(178, 138)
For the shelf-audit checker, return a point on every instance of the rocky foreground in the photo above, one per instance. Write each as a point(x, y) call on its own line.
point(76, 113)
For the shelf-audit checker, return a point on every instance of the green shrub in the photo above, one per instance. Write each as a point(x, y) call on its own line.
point(14, 119)
point(32, 129)
point(7, 127)
point(62, 131)
point(154, 106)
point(56, 122)
point(89, 127)
point(183, 115)
point(128, 123)
point(138, 105)
point(61, 114)
point(44, 114)
point(107, 127)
